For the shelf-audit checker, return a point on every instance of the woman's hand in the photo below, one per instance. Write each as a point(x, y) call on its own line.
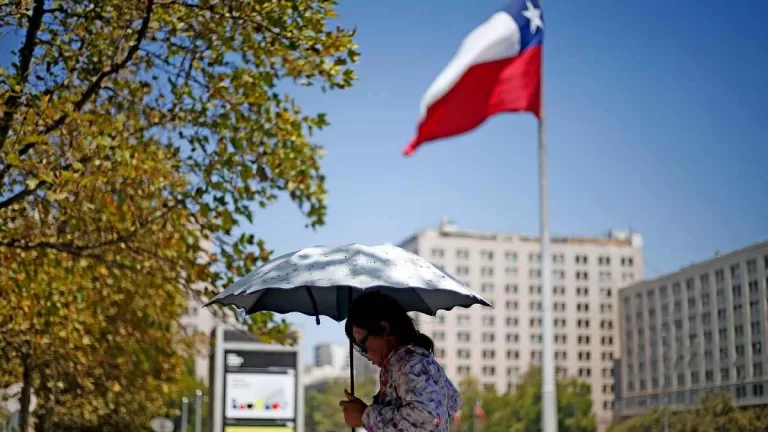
point(353, 410)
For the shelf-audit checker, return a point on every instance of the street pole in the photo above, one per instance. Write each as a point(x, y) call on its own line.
point(199, 411)
point(548, 395)
point(548, 389)
point(184, 413)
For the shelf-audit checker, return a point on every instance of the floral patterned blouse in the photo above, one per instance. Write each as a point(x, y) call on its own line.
point(414, 395)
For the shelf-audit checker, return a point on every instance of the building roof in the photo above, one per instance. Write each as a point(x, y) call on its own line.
point(612, 238)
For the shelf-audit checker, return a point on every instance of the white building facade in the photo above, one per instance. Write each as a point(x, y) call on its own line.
point(695, 331)
point(496, 346)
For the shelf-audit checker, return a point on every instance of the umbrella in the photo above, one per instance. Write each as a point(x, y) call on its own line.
point(325, 280)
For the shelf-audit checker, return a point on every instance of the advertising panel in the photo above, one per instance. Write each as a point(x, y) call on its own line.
point(260, 391)
point(255, 387)
point(260, 395)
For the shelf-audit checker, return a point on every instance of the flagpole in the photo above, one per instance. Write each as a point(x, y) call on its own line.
point(548, 388)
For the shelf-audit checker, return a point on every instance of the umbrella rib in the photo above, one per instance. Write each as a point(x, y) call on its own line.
point(418, 293)
point(314, 304)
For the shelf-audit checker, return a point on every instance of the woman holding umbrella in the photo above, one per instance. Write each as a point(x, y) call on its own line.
point(415, 394)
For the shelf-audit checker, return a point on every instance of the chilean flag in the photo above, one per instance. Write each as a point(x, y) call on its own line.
point(496, 69)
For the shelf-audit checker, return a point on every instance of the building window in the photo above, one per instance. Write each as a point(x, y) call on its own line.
point(512, 321)
point(741, 392)
point(535, 289)
point(462, 270)
point(486, 288)
point(486, 271)
point(583, 340)
point(489, 354)
point(605, 276)
point(463, 336)
point(582, 275)
point(510, 256)
point(558, 258)
point(438, 336)
point(536, 338)
point(582, 323)
point(488, 320)
point(534, 257)
point(757, 390)
point(462, 319)
point(558, 274)
point(582, 291)
point(463, 370)
point(513, 337)
point(463, 353)
point(512, 305)
point(534, 273)
point(510, 289)
point(560, 339)
point(735, 273)
point(438, 253)
point(489, 337)
point(582, 307)
point(486, 255)
point(462, 254)
point(585, 372)
point(604, 260)
point(581, 259)
point(627, 261)
point(510, 271)
point(513, 354)
point(535, 306)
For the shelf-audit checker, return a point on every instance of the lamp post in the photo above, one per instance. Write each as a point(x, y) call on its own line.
point(184, 413)
point(199, 411)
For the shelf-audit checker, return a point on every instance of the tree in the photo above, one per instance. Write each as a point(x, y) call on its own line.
point(132, 133)
point(321, 407)
point(96, 83)
point(715, 413)
point(521, 409)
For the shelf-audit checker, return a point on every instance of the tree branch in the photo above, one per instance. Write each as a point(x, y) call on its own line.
point(25, 60)
point(95, 86)
point(73, 248)
point(20, 195)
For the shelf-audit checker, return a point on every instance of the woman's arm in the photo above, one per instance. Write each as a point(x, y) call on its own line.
point(418, 387)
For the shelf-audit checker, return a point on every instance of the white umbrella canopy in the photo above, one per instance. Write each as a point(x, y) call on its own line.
point(324, 281)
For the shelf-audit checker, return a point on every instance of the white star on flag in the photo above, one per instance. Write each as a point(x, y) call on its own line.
point(534, 16)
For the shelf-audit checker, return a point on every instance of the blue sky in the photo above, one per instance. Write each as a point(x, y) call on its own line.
point(655, 121)
point(656, 117)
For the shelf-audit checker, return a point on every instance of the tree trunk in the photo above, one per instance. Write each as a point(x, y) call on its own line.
point(50, 406)
point(26, 396)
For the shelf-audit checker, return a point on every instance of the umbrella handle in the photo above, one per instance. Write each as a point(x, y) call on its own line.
point(351, 350)
point(351, 347)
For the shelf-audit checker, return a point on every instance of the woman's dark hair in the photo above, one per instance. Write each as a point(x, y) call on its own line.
point(370, 308)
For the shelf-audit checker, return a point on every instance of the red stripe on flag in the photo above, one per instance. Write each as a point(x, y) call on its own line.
point(486, 89)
